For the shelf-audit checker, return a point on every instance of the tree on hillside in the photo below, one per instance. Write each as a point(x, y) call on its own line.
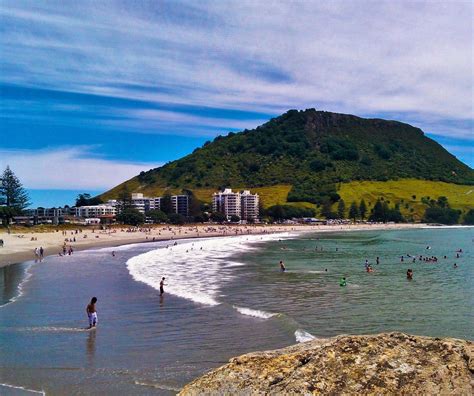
point(341, 209)
point(353, 211)
point(12, 193)
point(377, 212)
point(326, 210)
point(362, 209)
point(382, 212)
point(166, 205)
point(85, 199)
point(194, 204)
point(124, 199)
point(440, 212)
point(469, 217)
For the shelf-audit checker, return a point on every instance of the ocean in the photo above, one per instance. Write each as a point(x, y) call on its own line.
point(223, 297)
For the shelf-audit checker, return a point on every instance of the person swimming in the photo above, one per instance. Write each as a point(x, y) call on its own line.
point(343, 282)
point(282, 266)
point(409, 274)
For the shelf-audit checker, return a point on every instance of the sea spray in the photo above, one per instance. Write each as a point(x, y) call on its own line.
point(303, 336)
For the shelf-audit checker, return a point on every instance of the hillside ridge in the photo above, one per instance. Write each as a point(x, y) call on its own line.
point(312, 152)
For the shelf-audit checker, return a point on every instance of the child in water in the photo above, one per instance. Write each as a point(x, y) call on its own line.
point(92, 313)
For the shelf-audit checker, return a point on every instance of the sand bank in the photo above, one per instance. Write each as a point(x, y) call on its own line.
point(20, 247)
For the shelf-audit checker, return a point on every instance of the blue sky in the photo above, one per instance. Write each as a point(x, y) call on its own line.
point(91, 93)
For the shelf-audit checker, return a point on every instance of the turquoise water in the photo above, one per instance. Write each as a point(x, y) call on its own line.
point(224, 297)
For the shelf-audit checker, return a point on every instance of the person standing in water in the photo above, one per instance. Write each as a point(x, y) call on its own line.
point(92, 313)
point(282, 266)
point(162, 285)
point(409, 274)
point(343, 282)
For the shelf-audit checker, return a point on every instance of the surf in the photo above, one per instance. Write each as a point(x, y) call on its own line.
point(197, 269)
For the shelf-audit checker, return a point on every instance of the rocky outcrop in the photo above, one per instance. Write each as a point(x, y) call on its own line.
point(388, 363)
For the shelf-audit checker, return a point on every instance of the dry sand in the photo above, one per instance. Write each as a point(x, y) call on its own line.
point(20, 247)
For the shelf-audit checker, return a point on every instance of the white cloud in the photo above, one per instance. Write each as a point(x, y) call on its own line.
point(361, 57)
point(63, 168)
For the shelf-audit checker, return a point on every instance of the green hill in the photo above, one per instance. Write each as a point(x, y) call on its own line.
point(305, 157)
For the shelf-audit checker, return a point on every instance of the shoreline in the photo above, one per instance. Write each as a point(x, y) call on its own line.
point(20, 247)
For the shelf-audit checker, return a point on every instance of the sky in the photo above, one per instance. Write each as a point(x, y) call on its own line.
point(93, 92)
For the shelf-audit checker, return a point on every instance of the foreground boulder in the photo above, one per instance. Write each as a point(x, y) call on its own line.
point(388, 363)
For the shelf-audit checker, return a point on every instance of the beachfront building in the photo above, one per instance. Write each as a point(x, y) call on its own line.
point(144, 204)
point(249, 204)
point(97, 211)
point(227, 203)
point(42, 215)
point(242, 204)
point(180, 204)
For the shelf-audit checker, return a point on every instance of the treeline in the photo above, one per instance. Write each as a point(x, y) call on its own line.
point(439, 211)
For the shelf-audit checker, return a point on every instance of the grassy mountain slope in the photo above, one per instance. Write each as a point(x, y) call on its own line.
point(305, 157)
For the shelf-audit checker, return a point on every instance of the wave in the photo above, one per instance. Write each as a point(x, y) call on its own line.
point(19, 288)
point(158, 386)
point(254, 312)
point(54, 329)
point(303, 336)
point(23, 389)
point(194, 269)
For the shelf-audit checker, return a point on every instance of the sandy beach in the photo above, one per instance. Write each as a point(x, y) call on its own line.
point(19, 247)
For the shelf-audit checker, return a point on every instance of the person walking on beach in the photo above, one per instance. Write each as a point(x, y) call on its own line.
point(92, 313)
point(41, 252)
point(162, 284)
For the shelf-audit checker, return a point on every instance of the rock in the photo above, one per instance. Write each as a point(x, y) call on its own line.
point(387, 363)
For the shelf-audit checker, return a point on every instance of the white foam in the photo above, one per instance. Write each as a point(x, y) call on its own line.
point(254, 312)
point(157, 385)
point(303, 336)
point(191, 272)
point(19, 288)
point(54, 329)
point(23, 389)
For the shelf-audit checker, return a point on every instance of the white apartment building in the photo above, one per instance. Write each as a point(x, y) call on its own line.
point(249, 204)
point(144, 204)
point(242, 204)
point(95, 211)
point(226, 202)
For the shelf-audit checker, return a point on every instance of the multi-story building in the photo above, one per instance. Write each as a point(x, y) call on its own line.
point(96, 211)
point(249, 204)
point(242, 204)
point(180, 204)
point(144, 204)
point(226, 202)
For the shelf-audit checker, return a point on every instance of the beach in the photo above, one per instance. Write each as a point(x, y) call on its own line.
point(20, 246)
point(224, 296)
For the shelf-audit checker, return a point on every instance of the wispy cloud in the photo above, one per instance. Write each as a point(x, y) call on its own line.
point(404, 58)
point(61, 168)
